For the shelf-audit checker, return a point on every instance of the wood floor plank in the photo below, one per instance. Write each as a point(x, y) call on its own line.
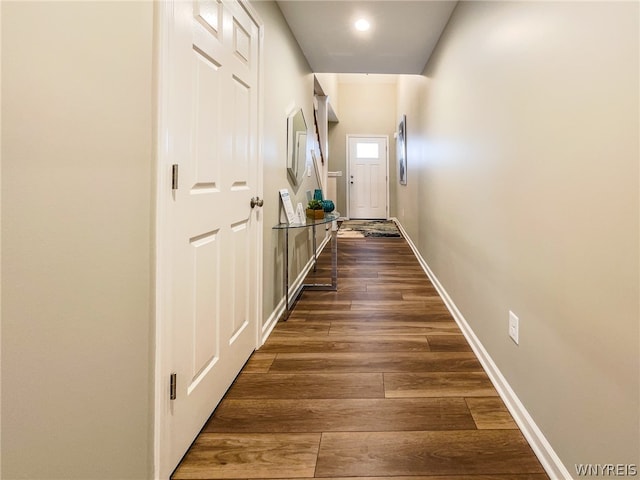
point(296, 328)
point(323, 304)
point(351, 284)
point(383, 285)
point(371, 344)
point(384, 259)
point(490, 413)
point(340, 415)
point(370, 316)
point(224, 456)
point(425, 453)
point(429, 297)
point(394, 328)
point(408, 273)
point(349, 295)
point(321, 385)
point(383, 362)
point(259, 362)
point(438, 384)
point(297, 316)
point(398, 305)
point(404, 290)
point(348, 272)
point(401, 283)
point(448, 343)
point(510, 476)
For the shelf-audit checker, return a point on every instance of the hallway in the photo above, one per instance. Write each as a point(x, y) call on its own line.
point(375, 380)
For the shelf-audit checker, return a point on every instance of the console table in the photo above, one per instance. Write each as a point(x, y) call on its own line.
point(290, 300)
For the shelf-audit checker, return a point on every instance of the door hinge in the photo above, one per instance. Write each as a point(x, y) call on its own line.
point(173, 386)
point(174, 176)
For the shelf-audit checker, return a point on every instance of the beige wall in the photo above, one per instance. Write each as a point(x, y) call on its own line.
point(76, 237)
point(77, 215)
point(288, 84)
point(0, 246)
point(525, 172)
point(412, 102)
point(367, 106)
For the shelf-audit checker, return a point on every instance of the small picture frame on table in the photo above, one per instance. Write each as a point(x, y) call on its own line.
point(288, 206)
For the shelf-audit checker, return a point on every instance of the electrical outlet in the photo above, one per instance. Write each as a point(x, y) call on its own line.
point(514, 327)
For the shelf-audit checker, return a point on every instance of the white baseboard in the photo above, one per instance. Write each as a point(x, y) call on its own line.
point(538, 442)
point(271, 322)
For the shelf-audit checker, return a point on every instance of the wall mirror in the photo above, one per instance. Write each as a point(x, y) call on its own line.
point(296, 147)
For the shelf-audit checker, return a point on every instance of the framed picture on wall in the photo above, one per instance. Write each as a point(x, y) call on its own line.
point(401, 147)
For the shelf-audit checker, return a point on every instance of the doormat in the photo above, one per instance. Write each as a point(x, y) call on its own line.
point(368, 228)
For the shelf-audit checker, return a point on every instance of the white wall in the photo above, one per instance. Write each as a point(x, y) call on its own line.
point(76, 238)
point(523, 195)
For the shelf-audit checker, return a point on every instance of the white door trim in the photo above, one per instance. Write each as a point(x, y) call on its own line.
point(348, 162)
point(162, 274)
point(251, 11)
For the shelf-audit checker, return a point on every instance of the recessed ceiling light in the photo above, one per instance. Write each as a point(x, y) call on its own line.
point(362, 25)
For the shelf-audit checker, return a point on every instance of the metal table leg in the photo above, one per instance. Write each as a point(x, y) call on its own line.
point(291, 300)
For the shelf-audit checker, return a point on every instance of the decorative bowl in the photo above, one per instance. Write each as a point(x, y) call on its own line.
point(328, 206)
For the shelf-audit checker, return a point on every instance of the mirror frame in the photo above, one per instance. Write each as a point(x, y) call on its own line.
point(296, 147)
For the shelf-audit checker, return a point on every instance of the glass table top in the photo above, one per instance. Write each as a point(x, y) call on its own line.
point(309, 222)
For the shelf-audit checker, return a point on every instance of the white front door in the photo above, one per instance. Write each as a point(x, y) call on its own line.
point(211, 278)
point(367, 180)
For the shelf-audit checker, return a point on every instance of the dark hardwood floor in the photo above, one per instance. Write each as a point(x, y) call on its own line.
point(374, 381)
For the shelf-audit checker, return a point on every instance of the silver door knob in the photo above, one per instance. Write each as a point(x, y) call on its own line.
point(256, 201)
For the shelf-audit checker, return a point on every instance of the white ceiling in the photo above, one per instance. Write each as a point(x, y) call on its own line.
point(402, 36)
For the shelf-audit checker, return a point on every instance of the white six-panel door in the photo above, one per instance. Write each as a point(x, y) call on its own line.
point(212, 136)
point(367, 177)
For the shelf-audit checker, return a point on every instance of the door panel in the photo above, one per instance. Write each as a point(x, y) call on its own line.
point(206, 127)
point(206, 262)
point(209, 14)
point(375, 178)
point(240, 244)
point(367, 177)
point(242, 42)
point(240, 134)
